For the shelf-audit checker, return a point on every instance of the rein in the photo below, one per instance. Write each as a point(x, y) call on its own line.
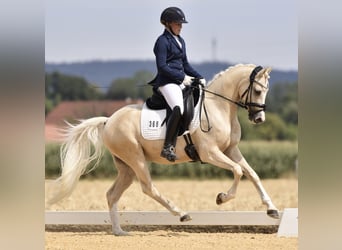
point(245, 105)
point(240, 104)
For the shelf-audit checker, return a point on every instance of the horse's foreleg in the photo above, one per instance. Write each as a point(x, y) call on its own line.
point(123, 181)
point(225, 197)
point(219, 159)
point(249, 172)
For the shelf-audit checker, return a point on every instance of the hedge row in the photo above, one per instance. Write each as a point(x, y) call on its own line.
point(269, 160)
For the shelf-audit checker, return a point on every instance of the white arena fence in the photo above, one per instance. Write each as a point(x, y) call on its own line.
point(288, 222)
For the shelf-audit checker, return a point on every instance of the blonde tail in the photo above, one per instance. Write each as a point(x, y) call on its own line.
point(76, 154)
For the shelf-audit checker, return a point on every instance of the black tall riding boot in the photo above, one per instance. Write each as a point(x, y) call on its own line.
point(172, 128)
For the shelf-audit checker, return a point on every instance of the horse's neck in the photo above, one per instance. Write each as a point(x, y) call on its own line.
point(226, 85)
point(218, 105)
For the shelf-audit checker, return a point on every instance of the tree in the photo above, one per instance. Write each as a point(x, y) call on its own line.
point(282, 99)
point(122, 88)
point(274, 128)
point(59, 87)
point(131, 87)
point(141, 78)
point(48, 105)
point(70, 87)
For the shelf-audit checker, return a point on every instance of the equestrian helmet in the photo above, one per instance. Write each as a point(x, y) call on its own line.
point(172, 14)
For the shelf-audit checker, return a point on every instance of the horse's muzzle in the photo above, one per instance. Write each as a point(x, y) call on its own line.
point(257, 117)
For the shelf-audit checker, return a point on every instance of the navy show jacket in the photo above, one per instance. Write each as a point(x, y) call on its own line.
point(171, 60)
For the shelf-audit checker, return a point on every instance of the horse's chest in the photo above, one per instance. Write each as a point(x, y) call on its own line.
point(228, 135)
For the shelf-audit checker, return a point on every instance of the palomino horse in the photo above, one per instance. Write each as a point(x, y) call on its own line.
point(240, 85)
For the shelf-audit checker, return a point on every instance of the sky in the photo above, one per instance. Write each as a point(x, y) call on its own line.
point(261, 32)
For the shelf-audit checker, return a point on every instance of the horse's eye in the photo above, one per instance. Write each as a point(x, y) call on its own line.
point(257, 91)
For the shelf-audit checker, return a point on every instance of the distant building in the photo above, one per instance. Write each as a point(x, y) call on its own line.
point(72, 111)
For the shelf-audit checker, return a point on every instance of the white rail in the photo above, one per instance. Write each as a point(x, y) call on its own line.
point(288, 222)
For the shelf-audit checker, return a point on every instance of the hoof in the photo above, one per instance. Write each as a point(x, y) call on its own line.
point(273, 213)
point(121, 233)
point(185, 218)
point(219, 200)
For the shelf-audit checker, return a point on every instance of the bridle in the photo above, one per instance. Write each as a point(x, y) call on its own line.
point(247, 94)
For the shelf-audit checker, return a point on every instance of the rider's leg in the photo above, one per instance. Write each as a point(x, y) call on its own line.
point(174, 97)
point(172, 128)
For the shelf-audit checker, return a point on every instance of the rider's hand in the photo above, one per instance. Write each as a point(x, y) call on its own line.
point(203, 81)
point(187, 80)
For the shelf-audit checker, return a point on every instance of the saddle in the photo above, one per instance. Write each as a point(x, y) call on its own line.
point(191, 97)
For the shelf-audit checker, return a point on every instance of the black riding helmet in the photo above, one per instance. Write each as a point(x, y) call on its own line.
point(172, 14)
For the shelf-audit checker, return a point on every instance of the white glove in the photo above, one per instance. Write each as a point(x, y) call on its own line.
point(203, 81)
point(187, 80)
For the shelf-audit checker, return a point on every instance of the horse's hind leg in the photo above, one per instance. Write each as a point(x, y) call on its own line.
point(123, 181)
point(148, 188)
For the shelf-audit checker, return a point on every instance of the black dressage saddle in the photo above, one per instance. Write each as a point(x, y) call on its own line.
point(191, 96)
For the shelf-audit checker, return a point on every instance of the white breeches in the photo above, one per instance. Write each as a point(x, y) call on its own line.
point(173, 95)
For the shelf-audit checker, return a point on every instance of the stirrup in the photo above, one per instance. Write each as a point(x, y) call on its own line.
point(168, 152)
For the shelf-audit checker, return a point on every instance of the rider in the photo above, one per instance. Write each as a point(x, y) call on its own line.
point(174, 73)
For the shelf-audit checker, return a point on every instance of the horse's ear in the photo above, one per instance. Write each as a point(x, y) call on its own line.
point(264, 71)
point(268, 70)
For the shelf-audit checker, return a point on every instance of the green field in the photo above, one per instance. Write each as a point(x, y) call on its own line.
point(269, 159)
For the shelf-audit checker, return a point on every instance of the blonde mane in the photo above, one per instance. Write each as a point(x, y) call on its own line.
point(223, 72)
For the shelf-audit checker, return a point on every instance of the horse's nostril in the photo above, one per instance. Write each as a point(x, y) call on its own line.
point(258, 120)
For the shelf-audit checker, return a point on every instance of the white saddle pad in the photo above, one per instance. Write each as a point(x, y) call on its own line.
point(151, 123)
